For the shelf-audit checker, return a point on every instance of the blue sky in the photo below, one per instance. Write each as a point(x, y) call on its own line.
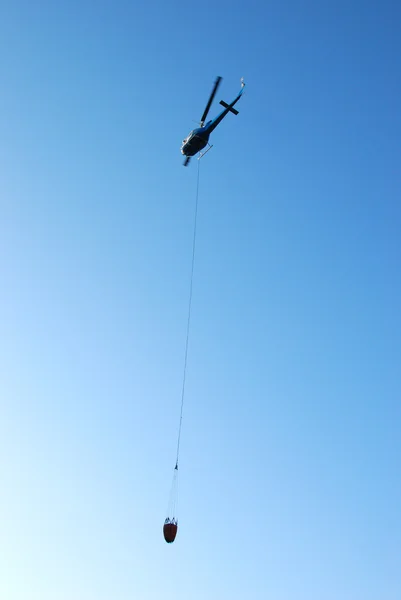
point(290, 452)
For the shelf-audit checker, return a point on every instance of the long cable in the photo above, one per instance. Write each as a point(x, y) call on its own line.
point(189, 316)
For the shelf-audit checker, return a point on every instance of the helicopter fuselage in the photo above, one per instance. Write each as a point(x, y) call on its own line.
point(195, 141)
point(198, 138)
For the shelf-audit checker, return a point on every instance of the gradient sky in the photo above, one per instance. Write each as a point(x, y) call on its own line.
point(290, 463)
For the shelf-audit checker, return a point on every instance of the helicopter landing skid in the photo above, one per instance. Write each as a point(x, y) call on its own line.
point(201, 154)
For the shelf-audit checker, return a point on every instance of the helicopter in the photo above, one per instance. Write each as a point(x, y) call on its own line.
point(198, 138)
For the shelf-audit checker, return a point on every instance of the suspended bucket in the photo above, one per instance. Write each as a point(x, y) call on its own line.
point(171, 523)
point(170, 530)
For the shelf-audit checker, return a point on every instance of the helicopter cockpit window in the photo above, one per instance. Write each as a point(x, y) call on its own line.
point(190, 134)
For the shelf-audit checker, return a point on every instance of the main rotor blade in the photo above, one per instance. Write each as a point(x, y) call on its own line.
point(212, 95)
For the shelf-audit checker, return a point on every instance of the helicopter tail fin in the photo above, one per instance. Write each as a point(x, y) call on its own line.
point(230, 108)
